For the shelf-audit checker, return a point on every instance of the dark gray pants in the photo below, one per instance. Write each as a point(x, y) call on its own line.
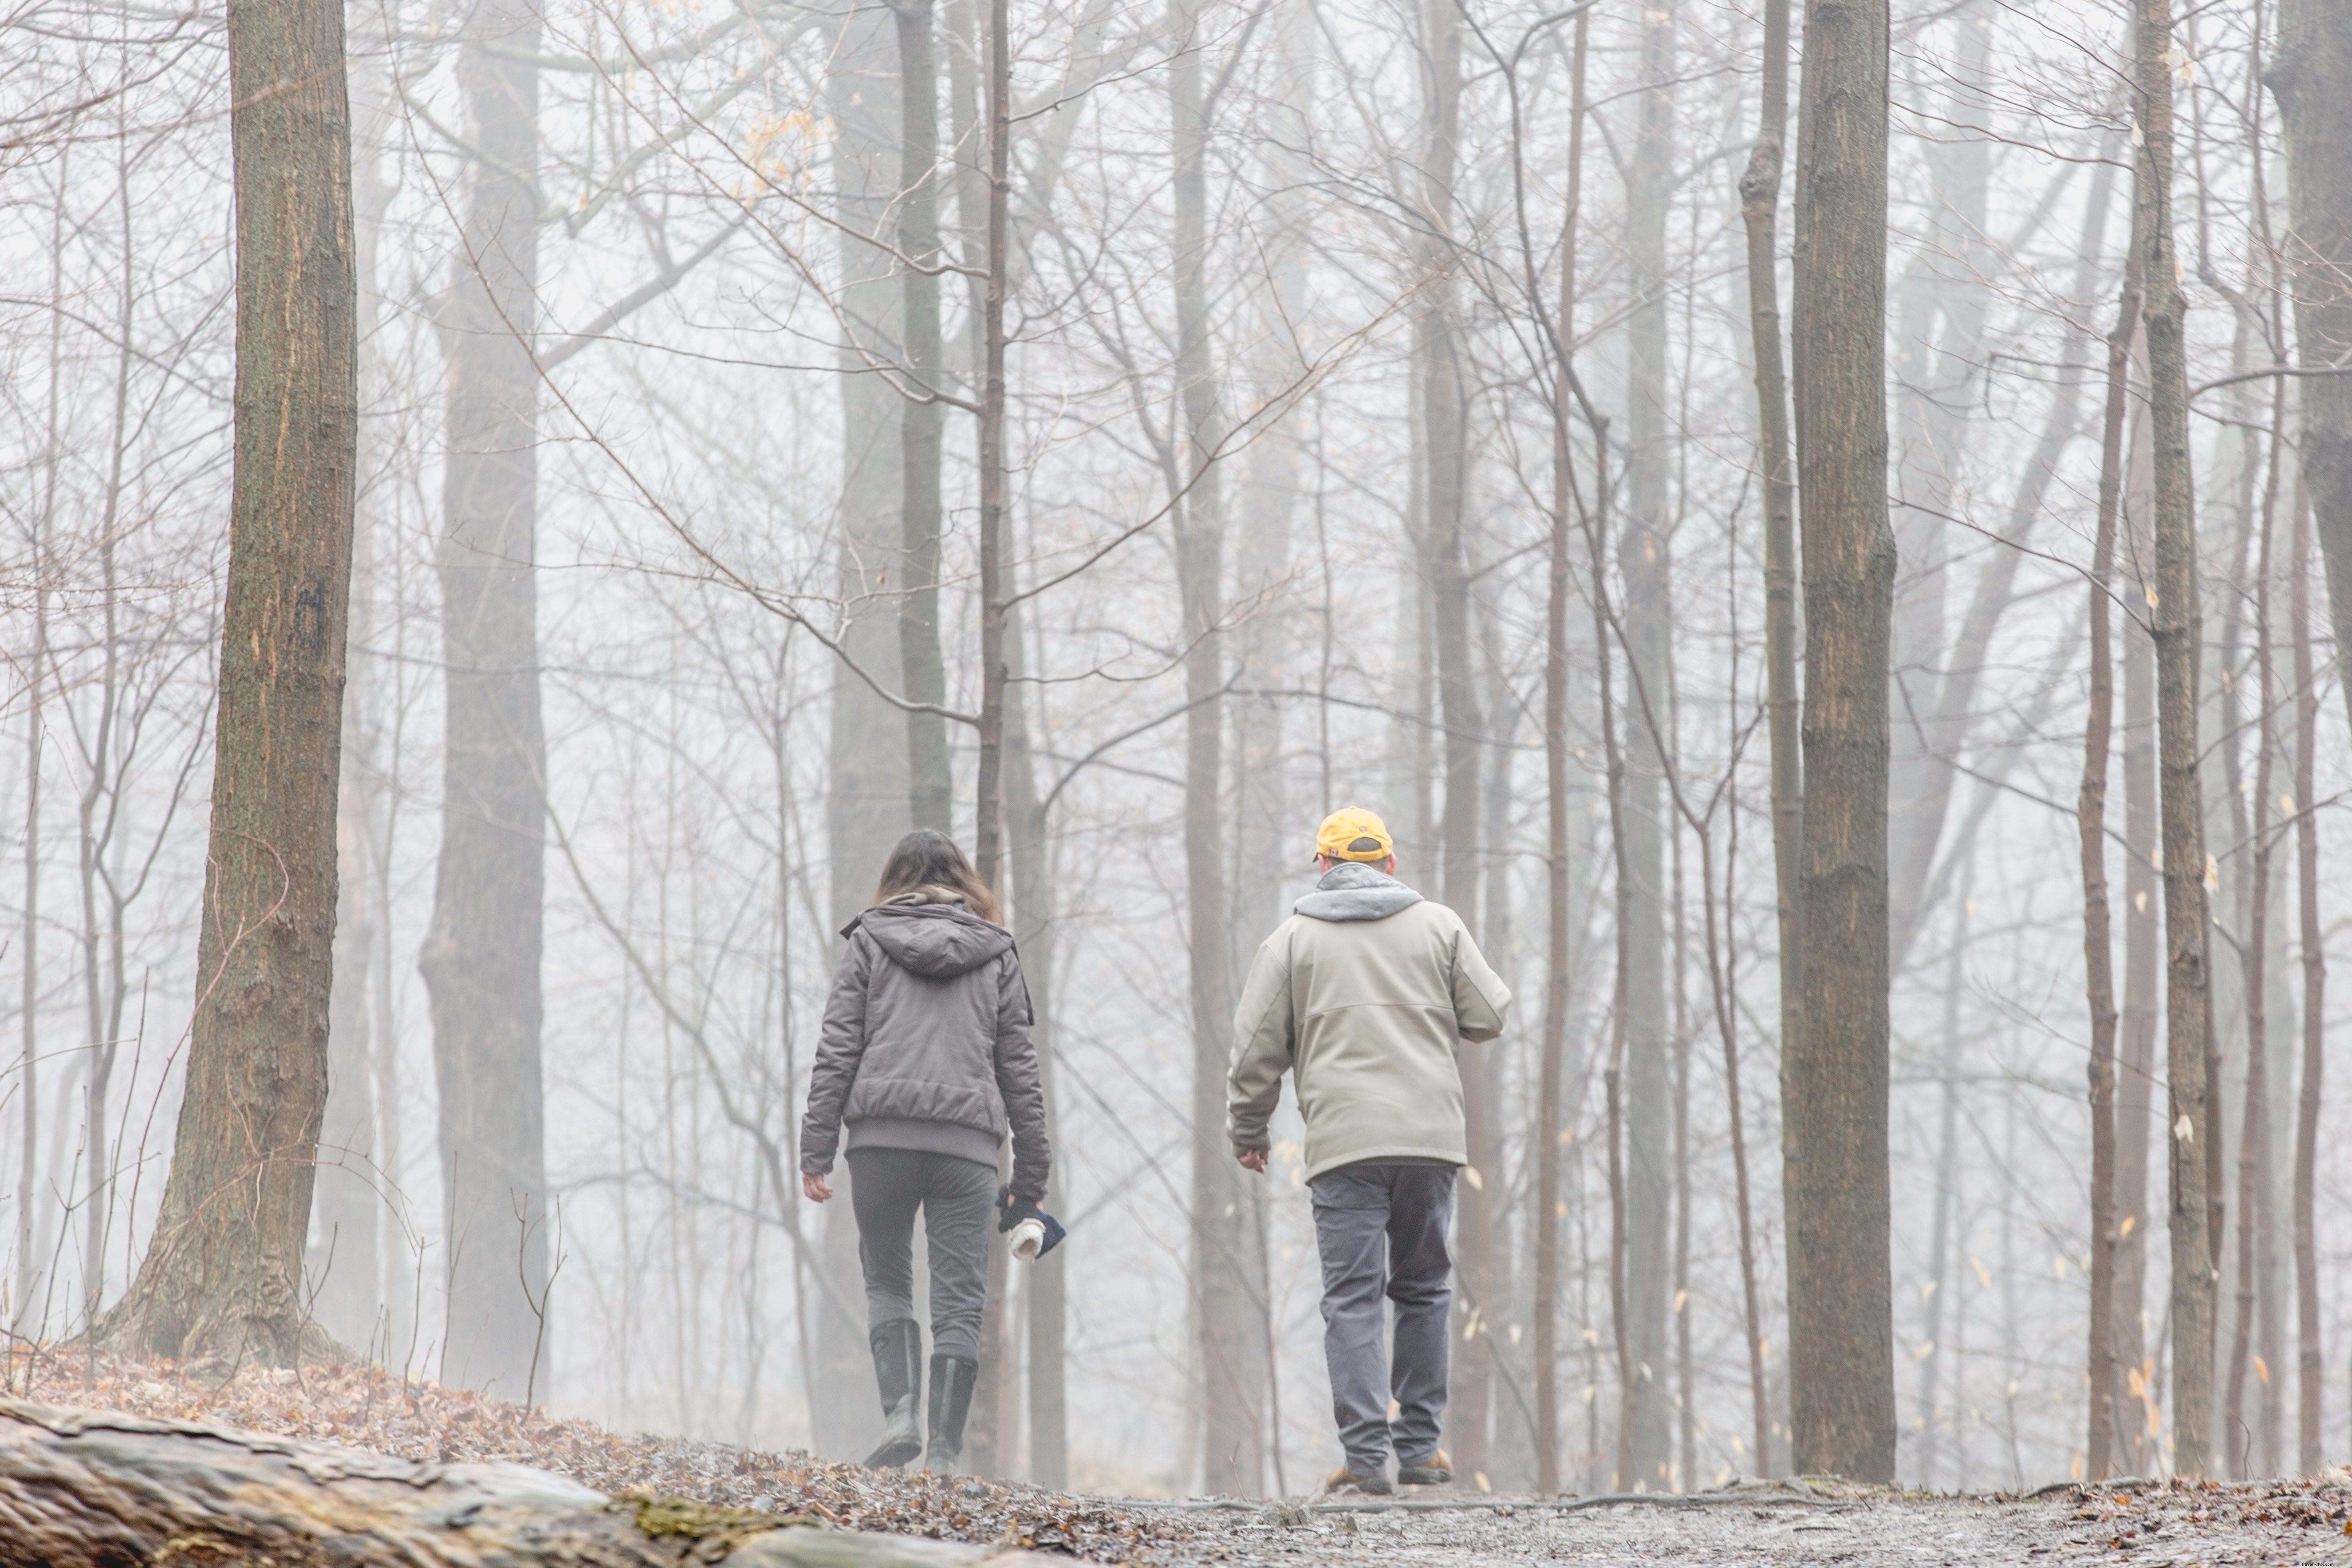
point(1381, 1230)
point(957, 1199)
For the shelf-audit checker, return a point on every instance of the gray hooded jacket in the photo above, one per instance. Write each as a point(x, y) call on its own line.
point(925, 1044)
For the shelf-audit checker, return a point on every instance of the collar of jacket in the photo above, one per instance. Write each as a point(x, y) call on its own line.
point(1352, 890)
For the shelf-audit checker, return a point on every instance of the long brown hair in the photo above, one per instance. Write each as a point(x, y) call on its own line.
point(930, 858)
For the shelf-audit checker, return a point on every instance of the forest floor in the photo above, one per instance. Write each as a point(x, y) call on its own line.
point(1783, 1524)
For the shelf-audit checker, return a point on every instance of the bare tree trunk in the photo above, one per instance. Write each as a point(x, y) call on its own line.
point(987, 1438)
point(2175, 628)
point(2143, 960)
point(2313, 62)
point(1229, 1339)
point(2310, 1389)
point(223, 1273)
point(1436, 353)
point(2253, 1137)
point(2098, 943)
point(930, 790)
point(1045, 1285)
point(1550, 1209)
point(481, 955)
point(356, 1176)
point(1759, 203)
point(1645, 1450)
point(867, 798)
point(1840, 1367)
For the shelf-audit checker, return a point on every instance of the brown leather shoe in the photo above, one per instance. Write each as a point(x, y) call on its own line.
point(1344, 1479)
point(1437, 1472)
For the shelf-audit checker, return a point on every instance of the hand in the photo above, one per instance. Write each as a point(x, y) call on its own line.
point(1253, 1160)
point(812, 1186)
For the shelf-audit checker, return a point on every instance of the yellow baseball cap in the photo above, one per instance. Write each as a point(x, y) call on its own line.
point(1352, 833)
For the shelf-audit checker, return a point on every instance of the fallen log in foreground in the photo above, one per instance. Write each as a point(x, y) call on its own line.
point(86, 1488)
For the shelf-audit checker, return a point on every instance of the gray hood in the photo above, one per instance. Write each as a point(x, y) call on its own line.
point(936, 941)
point(1352, 890)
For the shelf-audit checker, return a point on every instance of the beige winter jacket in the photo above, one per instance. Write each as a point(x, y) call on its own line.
point(1362, 995)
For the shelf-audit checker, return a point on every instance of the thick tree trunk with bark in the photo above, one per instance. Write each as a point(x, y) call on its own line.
point(1644, 1442)
point(84, 1490)
point(223, 1274)
point(1841, 1327)
point(481, 955)
point(2175, 625)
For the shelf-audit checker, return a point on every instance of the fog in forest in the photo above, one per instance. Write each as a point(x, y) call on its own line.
point(1329, 327)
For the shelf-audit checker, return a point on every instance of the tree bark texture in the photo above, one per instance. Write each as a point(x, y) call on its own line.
point(2098, 941)
point(2175, 625)
point(481, 956)
point(223, 1274)
point(2310, 1347)
point(1840, 1326)
point(83, 1489)
point(1644, 1449)
point(930, 790)
point(2314, 63)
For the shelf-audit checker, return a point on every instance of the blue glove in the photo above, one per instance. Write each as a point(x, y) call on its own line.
point(1011, 1211)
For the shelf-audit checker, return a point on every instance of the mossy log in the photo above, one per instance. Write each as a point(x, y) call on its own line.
point(86, 1488)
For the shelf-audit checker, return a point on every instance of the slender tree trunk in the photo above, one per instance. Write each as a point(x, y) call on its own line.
point(1436, 355)
point(357, 1178)
point(1550, 1208)
point(481, 955)
point(2175, 628)
point(1229, 1335)
point(1759, 203)
point(2253, 1136)
point(2142, 961)
point(1646, 1450)
point(1841, 1369)
point(988, 1443)
point(1044, 1282)
point(2310, 1389)
point(2098, 942)
point(223, 1274)
point(2313, 62)
point(929, 789)
point(865, 799)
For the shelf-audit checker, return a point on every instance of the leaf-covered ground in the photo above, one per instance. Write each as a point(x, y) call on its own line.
point(1796, 1525)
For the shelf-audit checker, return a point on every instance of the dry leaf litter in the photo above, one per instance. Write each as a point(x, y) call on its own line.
point(1799, 1524)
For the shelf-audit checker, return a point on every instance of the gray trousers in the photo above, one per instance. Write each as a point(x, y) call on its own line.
point(958, 1200)
point(1381, 1230)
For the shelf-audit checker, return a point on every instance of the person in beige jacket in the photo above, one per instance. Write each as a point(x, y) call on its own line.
point(1364, 997)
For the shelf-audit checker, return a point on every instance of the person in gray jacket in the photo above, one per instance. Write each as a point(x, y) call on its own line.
point(925, 1056)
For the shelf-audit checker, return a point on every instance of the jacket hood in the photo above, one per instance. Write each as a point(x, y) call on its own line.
point(1354, 891)
point(936, 941)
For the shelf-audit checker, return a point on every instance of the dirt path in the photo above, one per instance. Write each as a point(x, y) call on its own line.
point(1764, 1523)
